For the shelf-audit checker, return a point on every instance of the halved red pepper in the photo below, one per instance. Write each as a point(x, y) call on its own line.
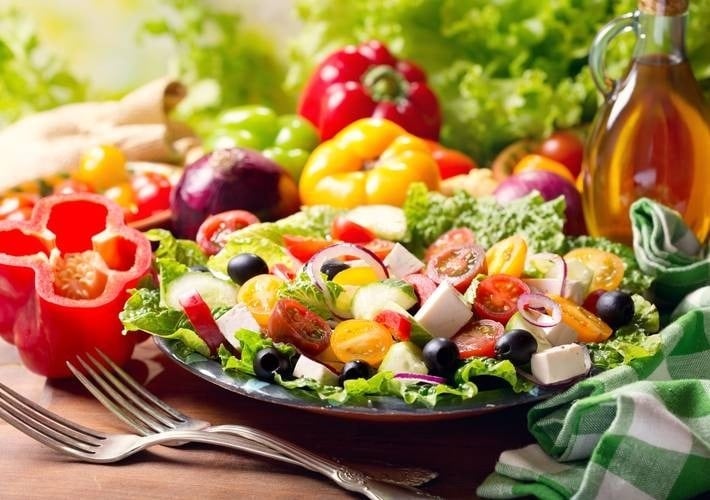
point(64, 276)
point(368, 81)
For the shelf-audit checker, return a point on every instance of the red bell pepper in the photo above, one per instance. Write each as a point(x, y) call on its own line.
point(368, 81)
point(64, 276)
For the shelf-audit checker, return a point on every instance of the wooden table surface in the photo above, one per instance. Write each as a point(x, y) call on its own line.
point(462, 451)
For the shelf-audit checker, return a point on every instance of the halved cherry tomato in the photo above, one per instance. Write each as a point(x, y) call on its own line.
point(304, 247)
point(478, 338)
point(294, 323)
point(200, 316)
point(607, 267)
point(346, 230)
point(380, 247)
point(453, 238)
point(458, 266)
point(507, 256)
point(398, 324)
point(212, 233)
point(565, 147)
point(18, 206)
point(361, 339)
point(589, 327)
point(152, 193)
point(260, 294)
point(538, 162)
point(505, 161)
point(497, 297)
point(423, 285)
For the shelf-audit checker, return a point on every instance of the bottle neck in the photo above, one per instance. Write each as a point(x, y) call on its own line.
point(662, 36)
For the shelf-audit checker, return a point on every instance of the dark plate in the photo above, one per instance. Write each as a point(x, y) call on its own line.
point(378, 408)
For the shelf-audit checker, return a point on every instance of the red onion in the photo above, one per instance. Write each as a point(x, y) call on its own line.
point(419, 377)
point(539, 310)
point(337, 251)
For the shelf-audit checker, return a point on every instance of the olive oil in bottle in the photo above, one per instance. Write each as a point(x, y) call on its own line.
point(651, 137)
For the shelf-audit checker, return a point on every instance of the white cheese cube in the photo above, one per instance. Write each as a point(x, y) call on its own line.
point(560, 363)
point(575, 291)
point(444, 312)
point(560, 334)
point(402, 262)
point(236, 318)
point(308, 368)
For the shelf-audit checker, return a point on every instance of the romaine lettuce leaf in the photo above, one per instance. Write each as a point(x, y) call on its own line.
point(186, 252)
point(504, 370)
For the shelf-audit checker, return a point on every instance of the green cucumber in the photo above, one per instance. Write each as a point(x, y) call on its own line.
point(404, 357)
point(214, 291)
point(385, 221)
point(369, 299)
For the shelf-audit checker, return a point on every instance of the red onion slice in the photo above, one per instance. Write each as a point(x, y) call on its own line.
point(337, 251)
point(539, 310)
point(553, 266)
point(419, 377)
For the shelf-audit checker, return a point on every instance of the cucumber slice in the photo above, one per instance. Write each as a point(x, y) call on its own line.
point(369, 299)
point(404, 357)
point(214, 291)
point(385, 221)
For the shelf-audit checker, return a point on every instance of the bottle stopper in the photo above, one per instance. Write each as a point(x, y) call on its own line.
point(664, 7)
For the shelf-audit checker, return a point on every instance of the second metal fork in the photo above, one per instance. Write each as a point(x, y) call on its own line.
point(147, 414)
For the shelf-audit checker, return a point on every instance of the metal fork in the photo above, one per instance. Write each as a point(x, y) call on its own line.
point(147, 414)
point(90, 445)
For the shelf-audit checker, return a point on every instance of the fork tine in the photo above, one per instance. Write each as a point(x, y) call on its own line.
point(139, 389)
point(45, 426)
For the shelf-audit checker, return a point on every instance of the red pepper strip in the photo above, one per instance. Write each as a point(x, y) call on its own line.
point(399, 325)
point(200, 316)
point(368, 81)
point(64, 276)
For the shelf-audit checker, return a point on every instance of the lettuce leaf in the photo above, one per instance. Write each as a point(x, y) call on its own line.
point(430, 214)
point(186, 252)
point(505, 370)
point(302, 289)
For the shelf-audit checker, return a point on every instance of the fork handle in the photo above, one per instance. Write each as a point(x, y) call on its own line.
point(345, 477)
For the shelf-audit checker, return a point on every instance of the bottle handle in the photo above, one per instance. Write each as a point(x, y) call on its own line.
point(609, 31)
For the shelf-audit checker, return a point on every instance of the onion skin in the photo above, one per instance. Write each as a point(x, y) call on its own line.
point(550, 186)
point(226, 179)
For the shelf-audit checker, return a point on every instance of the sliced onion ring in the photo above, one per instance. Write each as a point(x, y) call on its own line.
point(539, 310)
point(556, 269)
point(337, 251)
point(419, 377)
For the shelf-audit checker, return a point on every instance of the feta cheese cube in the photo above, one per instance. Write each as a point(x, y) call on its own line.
point(560, 363)
point(444, 312)
point(402, 262)
point(308, 368)
point(236, 318)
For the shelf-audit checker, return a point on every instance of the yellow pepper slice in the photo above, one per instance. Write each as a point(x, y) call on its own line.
point(371, 161)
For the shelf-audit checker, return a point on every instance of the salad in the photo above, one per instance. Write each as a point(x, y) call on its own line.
point(423, 303)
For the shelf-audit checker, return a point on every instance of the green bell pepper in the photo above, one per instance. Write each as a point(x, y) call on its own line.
point(286, 139)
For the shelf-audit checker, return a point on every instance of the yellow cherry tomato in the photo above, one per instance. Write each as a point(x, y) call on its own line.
point(356, 276)
point(122, 194)
point(507, 256)
point(260, 295)
point(361, 339)
point(102, 167)
point(371, 161)
point(608, 269)
point(589, 327)
point(539, 162)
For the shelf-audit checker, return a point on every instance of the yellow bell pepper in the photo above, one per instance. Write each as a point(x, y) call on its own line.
point(371, 161)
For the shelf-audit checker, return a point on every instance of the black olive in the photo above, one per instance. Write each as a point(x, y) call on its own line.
point(615, 308)
point(154, 245)
point(517, 346)
point(245, 266)
point(355, 369)
point(200, 268)
point(441, 356)
point(332, 267)
point(268, 362)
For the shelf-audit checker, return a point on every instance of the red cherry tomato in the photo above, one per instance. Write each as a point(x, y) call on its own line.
point(151, 191)
point(398, 324)
point(453, 238)
point(478, 338)
point(450, 161)
point(497, 297)
point(423, 285)
point(304, 247)
point(379, 247)
point(458, 266)
point(294, 323)
point(564, 147)
point(212, 233)
point(346, 230)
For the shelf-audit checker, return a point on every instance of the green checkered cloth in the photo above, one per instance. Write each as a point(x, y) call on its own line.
point(667, 249)
point(636, 431)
